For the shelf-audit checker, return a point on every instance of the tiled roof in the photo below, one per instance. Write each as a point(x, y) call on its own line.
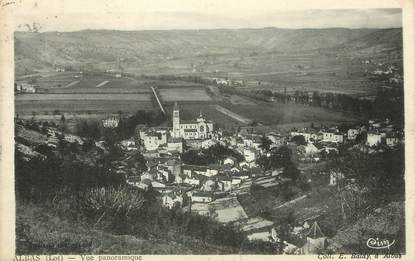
point(134, 179)
point(195, 167)
point(202, 194)
point(188, 122)
point(174, 140)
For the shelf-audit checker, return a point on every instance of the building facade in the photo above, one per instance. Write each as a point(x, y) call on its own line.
point(329, 136)
point(110, 122)
point(198, 129)
point(152, 138)
point(373, 139)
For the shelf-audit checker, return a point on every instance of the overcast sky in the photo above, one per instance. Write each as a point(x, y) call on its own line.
point(64, 15)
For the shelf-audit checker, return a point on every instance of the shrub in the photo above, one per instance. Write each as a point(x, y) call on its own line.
point(110, 206)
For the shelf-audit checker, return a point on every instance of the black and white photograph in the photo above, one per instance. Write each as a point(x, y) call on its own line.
point(208, 128)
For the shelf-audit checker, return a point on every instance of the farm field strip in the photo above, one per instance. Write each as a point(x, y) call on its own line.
point(183, 94)
point(86, 96)
point(233, 115)
point(95, 91)
point(280, 113)
point(102, 83)
point(71, 84)
point(80, 106)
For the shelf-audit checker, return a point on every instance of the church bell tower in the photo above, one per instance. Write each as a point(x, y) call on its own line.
point(176, 121)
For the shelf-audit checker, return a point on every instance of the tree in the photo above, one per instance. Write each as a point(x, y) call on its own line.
point(63, 119)
point(279, 158)
point(361, 137)
point(292, 172)
point(211, 155)
point(88, 129)
point(62, 144)
point(44, 149)
point(139, 162)
point(299, 140)
point(88, 144)
point(265, 143)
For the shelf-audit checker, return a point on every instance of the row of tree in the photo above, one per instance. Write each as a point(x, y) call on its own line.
point(387, 103)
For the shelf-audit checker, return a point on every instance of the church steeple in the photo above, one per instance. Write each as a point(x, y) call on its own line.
point(176, 120)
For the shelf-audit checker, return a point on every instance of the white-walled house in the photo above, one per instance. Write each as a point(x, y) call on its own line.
point(308, 150)
point(335, 177)
point(170, 199)
point(392, 141)
point(306, 135)
point(229, 161)
point(250, 155)
point(207, 143)
point(133, 180)
point(236, 181)
point(73, 139)
point(208, 171)
point(209, 185)
point(200, 196)
point(175, 144)
point(225, 184)
point(147, 175)
point(373, 139)
point(191, 181)
point(152, 138)
point(276, 139)
point(332, 136)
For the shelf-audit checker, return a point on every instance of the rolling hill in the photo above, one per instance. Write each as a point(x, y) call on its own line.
point(179, 51)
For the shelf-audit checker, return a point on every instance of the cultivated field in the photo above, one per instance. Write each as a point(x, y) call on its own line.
point(81, 106)
point(101, 93)
point(84, 97)
point(281, 116)
point(101, 90)
point(236, 99)
point(233, 115)
point(279, 113)
point(67, 82)
point(98, 93)
point(307, 71)
point(183, 94)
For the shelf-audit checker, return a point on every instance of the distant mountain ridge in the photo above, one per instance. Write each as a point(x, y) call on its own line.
point(39, 51)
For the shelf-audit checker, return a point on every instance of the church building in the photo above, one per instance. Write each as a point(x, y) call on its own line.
point(196, 129)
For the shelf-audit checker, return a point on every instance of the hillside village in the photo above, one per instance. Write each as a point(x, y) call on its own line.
point(217, 135)
point(237, 164)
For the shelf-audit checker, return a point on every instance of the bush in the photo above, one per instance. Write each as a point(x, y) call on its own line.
point(110, 206)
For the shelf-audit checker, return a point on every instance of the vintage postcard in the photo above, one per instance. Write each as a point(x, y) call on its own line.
point(209, 130)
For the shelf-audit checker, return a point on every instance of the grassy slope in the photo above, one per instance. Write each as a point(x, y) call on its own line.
point(386, 222)
point(40, 231)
